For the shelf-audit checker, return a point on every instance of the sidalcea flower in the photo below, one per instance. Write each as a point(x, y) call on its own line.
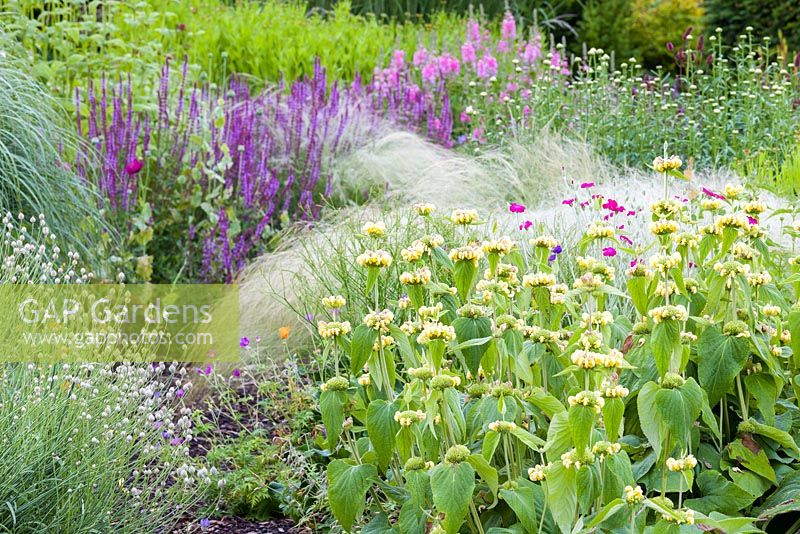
point(516, 208)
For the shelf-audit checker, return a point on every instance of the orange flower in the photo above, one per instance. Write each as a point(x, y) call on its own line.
point(283, 332)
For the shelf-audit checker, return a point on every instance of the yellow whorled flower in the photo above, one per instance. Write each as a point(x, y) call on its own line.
point(598, 230)
point(686, 463)
point(666, 289)
point(670, 163)
point(424, 209)
point(539, 280)
point(333, 329)
point(586, 359)
point(502, 426)
point(436, 331)
point(334, 302)
point(666, 208)
point(732, 191)
point(544, 241)
point(617, 391)
point(537, 473)
point(754, 207)
point(404, 302)
point(732, 220)
point(595, 266)
point(633, 495)
point(414, 252)
point(505, 272)
point(770, 310)
point(613, 359)
point(432, 241)
point(639, 270)
point(374, 229)
point(411, 327)
point(663, 227)
point(711, 204)
point(591, 340)
point(374, 258)
point(409, 417)
point(467, 253)
point(464, 217)
point(558, 294)
point(379, 320)
point(386, 342)
point(730, 270)
point(743, 251)
point(668, 313)
point(588, 281)
point(503, 245)
point(684, 517)
point(686, 239)
point(664, 262)
point(604, 448)
point(420, 277)
point(431, 313)
point(759, 279)
point(596, 319)
point(363, 380)
point(539, 334)
point(588, 398)
point(509, 322)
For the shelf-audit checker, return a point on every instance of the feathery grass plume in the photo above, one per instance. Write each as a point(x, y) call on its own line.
point(33, 177)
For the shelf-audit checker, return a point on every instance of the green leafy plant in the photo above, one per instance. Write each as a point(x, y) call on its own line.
point(470, 390)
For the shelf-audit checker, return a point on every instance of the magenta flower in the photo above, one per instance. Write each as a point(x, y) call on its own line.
point(244, 342)
point(613, 205)
point(236, 373)
point(134, 166)
point(626, 239)
point(635, 262)
point(587, 185)
point(180, 393)
point(526, 225)
point(609, 252)
point(631, 213)
point(398, 59)
point(568, 201)
point(420, 57)
point(712, 194)
point(468, 53)
point(516, 208)
point(206, 370)
point(752, 220)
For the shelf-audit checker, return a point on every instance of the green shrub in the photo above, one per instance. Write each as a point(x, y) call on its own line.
point(773, 18)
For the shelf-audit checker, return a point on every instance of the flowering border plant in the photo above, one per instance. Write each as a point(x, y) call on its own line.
point(482, 392)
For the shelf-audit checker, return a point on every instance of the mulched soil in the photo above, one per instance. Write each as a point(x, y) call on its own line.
point(238, 525)
point(227, 427)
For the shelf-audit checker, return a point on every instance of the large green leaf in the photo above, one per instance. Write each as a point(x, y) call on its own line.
point(562, 496)
point(487, 473)
point(452, 486)
point(332, 409)
point(719, 494)
point(785, 499)
point(720, 359)
point(679, 408)
point(765, 392)
point(777, 435)
point(347, 490)
point(751, 457)
point(527, 502)
point(559, 437)
point(468, 329)
point(581, 423)
point(361, 346)
point(382, 429)
point(464, 273)
point(665, 341)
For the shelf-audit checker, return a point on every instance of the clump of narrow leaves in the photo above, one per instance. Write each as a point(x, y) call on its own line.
point(494, 392)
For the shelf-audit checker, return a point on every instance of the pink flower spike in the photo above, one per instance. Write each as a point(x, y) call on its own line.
point(587, 185)
point(568, 201)
point(516, 208)
point(609, 252)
